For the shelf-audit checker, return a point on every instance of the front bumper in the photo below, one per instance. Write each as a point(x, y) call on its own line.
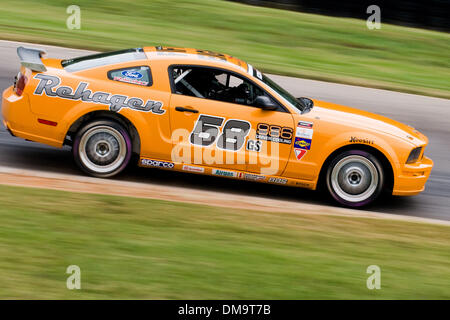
point(412, 178)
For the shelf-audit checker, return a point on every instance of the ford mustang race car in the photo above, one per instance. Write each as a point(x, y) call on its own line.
point(208, 113)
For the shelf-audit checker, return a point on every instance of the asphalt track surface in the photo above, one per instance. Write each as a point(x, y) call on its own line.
point(429, 115)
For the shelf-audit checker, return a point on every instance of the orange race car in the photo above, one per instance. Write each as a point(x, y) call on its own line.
point(208, 113)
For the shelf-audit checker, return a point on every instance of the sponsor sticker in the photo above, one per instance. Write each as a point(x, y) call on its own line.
point(274, 133)
point(299, 153)
point(305, 124)
point(303, 139)
point(305, 133)
point(302, 143)
point(130, 80)
point(251, 176)
point(193, 168)
point(224, 173)
point(359, 140)
point(132, 74)
point(157, 163)
point(278, 180)
point(273, 139)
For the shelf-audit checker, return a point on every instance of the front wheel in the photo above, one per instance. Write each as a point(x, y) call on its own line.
point(355, 178)
point(102, 148)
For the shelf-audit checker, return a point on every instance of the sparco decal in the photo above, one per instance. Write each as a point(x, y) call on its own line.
point(48, 85)
point(156, 163)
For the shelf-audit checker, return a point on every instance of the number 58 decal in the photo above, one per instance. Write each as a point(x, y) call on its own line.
point(207, 132)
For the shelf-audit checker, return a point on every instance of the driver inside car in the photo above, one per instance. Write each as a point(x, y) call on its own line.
point(206, 83)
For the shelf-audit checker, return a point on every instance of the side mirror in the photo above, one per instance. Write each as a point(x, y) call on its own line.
point(265, 103)
point(307, 102)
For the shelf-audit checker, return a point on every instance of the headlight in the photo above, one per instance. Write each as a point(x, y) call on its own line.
point(414, 155)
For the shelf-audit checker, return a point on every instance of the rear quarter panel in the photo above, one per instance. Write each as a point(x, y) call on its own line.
point(153, 129)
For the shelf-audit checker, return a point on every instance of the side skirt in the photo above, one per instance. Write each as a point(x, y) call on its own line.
point(226, 173)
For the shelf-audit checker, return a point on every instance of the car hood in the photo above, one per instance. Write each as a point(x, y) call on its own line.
point(366, 120)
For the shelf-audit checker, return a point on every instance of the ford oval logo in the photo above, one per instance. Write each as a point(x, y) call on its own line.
point(132, 74)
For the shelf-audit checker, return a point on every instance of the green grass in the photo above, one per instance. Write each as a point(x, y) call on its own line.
point(139, 249)
point(276, 41)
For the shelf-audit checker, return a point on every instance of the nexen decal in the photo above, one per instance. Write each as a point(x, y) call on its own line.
point(116, 102)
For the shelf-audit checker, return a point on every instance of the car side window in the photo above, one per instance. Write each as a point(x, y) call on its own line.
point(135, 75)
point(214, 84)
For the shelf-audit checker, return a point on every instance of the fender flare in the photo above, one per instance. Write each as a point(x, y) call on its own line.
point(341, 142)
point(81, 114)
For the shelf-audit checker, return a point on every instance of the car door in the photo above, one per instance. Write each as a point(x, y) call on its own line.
point(214, 122)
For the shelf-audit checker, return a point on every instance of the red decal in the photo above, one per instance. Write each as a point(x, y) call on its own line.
point(299, 153)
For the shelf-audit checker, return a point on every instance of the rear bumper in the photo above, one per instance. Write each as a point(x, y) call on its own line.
point(15, 110)
point(21, 122)
point(8, 129)
point(412, 178)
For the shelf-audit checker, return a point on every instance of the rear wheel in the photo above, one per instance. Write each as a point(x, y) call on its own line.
point(355, 178)
point(102, 148)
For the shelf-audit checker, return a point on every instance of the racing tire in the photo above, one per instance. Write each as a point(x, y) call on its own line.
point(102, 148)
point(355, 178)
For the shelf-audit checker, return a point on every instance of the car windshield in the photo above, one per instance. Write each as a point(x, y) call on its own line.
point(282, 92)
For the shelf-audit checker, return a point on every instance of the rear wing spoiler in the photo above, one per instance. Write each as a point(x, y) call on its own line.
point(31, 58)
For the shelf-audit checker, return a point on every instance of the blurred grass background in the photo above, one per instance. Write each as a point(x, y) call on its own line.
point(276, 41)
point(149, 249)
